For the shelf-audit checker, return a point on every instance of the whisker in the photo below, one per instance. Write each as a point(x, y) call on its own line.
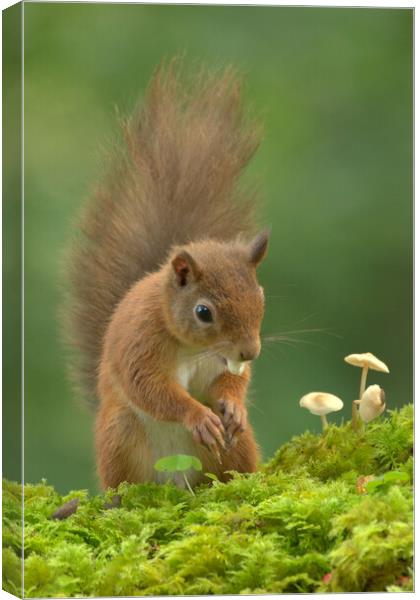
point(291, 341)
point(255, 406)
point(306, 318)
point(199, 359)
point(208, 353)
point(283, 338)
point(204, 355)
point(291, 338)
point(265, 349)
point(312, 330)
point(289, 331)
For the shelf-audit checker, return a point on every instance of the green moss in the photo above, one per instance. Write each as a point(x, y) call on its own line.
point(298, 525)
point(384, 445)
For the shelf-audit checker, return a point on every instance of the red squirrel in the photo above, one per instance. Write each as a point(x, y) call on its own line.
point(165, 308)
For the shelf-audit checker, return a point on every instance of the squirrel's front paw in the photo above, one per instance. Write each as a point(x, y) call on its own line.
point(234, 418)
point(207, 429)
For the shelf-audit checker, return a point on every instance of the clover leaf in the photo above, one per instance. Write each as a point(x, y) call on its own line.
point(179, 463)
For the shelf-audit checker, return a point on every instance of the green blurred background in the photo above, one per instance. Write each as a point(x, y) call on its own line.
point(334, 89)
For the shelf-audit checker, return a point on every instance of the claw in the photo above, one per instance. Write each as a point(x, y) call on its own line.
point(214, 451)
point(221, 441)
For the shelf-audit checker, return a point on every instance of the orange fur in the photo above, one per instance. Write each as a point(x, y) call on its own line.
point(171, 232)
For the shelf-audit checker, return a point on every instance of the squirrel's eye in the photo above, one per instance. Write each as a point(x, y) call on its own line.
point(203, 313)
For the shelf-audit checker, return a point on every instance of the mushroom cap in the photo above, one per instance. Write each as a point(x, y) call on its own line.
point(367, 359)
point(321, 403)
point(372, 403)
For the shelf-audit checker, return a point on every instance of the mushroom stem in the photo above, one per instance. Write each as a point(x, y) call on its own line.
point(355, 419)
point(324, 422)
point(363, 381)
point(355, 415)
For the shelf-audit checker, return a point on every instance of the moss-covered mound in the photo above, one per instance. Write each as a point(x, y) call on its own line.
point(307, 522)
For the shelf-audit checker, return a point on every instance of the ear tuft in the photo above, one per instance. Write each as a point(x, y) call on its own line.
point(259, 247)
point(185, 268)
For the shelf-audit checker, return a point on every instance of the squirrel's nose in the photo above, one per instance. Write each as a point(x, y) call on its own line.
point(250, 352)
point(248, 355)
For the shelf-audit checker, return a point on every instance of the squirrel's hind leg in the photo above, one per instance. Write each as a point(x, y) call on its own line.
point(243, 457)
point(122, 453)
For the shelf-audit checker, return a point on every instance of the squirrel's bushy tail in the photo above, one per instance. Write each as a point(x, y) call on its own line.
point(174, 181)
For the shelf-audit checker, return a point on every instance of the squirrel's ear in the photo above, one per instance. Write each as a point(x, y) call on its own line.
point(185, 268)
point(259, 247)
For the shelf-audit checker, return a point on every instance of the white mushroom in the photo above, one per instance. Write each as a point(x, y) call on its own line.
point(321, 403)
point(372, 403)
point(366, 361)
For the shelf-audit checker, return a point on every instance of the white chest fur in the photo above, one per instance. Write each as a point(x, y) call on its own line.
point(195, 373)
